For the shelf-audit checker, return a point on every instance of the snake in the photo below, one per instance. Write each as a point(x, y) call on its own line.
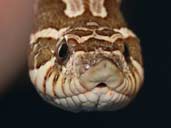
point(83, 57)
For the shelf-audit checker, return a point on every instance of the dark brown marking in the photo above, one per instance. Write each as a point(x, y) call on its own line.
point(93, 44)
point(49, 72)
point(54, 84)
point(106, 32)
point(55, 79)
point(62, 86)
point(45, 79)
point(43, 51)
point(43, 56)
point(133, 45)
point(81, 33)
point(119, 44)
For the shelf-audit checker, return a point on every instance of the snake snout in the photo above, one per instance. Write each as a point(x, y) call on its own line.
point(103, 74)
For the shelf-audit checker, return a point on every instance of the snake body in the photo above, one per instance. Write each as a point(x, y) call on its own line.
point(82, 56)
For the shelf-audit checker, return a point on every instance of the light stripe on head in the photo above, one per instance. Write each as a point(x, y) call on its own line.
point(122, 33)
point(125, 32)
point(74, 8)
point(47, 33)
point(97, 8)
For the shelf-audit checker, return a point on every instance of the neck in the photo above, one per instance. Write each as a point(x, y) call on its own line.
point(73, 13)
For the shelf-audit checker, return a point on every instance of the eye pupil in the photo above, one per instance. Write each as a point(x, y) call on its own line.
point(63, 51)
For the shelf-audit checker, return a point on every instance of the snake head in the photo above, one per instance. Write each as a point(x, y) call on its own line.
point(82, 56)
point(88, 69)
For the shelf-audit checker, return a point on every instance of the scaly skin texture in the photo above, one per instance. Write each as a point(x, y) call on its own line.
point(82, 56)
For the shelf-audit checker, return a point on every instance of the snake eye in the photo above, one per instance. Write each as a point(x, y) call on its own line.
point(62, 51)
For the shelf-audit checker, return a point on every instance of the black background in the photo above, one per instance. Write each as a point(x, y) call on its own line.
point(150, 20)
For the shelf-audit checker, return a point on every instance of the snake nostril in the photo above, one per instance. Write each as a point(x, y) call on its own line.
point(101, 85)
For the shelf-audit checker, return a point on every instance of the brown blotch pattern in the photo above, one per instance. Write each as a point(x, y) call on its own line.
point(41, 52)
point(80, 33)
point(43, 56)
point(106, 32)
point(93, 44)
